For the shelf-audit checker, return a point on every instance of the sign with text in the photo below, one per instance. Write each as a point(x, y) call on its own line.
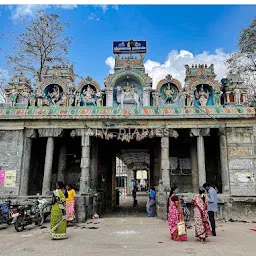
point(129, 47)
point(10, 179)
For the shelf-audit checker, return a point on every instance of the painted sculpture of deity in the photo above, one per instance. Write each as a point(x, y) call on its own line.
point(190, 96)
point(40, 97)
point(54, 96)
point(169, 93)
point(88, 96)
point(202, 96)
point(217, 97)
point(13, 97)
point(127, 95)
point(99, 95)
point(237, 96)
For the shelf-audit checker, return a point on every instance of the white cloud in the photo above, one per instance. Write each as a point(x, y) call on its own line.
point(93, 16)
point(68, 6)
point(105, 7)
point(175, 62)
point(110, 61)
point(29, 10)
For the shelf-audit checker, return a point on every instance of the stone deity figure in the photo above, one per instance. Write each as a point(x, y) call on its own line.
point(25, 96)
point(71, 99)
point(156, 95)
point(217, 95)
point(99, 95)
point(40, 97)
point(13, 97)
point(202, 96)
point(190, 97)
point(64, 99)
point(88, 93)
point(77, 99)
point(169, 93)
point(127, 91)
point(54, 95)
point(32, 101)
point(237, 96)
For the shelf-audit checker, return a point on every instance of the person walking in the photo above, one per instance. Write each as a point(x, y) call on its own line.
point(175, 216)
point(202, 226)
point(134, 197)
point(58, 222)
point(212, 205)
point(70, 203)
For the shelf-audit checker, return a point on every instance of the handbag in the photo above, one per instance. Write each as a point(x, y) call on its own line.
point(182, 228)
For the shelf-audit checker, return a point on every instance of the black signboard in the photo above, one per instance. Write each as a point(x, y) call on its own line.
point(129, 47)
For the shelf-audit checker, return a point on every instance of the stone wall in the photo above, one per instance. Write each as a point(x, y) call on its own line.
point(241, 160)
point(11, 153)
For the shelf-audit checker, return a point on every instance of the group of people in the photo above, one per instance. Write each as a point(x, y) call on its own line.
point(205, 206)
point(63, 210)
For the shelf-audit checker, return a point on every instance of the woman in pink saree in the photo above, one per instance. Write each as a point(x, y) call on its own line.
point(175, 215)
point(202, 226)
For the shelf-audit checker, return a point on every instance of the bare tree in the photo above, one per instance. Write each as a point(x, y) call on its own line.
point(42, 43)
point(3, 84)
point(244, 60)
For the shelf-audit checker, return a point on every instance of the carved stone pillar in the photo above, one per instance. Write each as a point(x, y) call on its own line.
point(24, 182)
point(199, 133)
point(62, 162)
point(146, 99)
point(85, 164)
point(165, 162)
point(109, 97)
point(227, 97)
point(50, 134)
point(194, 167)
point(129, 180)
point(113, 181)
point(94, 166)
point(201, 160)
point(48, 167)
point(224, 162)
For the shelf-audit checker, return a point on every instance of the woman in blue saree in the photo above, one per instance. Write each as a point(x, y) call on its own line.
point(151, 203)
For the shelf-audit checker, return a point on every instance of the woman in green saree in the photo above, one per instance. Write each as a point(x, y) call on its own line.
point(58, 213)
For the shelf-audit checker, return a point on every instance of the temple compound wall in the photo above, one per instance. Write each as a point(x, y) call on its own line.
point(180, 134)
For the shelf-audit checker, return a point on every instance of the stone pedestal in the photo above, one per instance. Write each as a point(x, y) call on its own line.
point(26, 167)
point(62, 162)
point(48, 167)
point(80, 205)
point(224, 164)
point(161, 206)
point(85, 164)
point(165, 162)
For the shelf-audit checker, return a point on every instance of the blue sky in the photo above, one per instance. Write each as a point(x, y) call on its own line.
point(197, 30)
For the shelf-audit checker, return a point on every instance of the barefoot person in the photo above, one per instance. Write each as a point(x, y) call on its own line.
point(202, 226)
point(58, 222)
point(70, 203)
point(175, 215)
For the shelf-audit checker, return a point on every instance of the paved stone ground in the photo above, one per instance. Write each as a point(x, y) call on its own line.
point(127, 232)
